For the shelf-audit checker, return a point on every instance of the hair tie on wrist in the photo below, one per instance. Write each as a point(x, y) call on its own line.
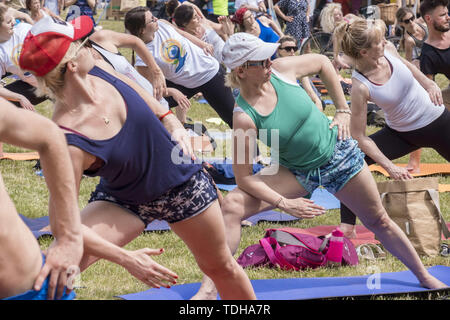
point(165, 114)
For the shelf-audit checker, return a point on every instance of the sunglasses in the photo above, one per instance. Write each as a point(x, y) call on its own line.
point(263, 63)
point(408, 20)
point(153, 19)
point(85, 43)
point(295, 48)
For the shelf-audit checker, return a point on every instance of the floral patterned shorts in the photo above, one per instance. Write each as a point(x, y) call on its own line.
point(177, 204)
point(346, 161)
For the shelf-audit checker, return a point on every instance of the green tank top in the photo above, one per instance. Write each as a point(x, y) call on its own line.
point(305, 140)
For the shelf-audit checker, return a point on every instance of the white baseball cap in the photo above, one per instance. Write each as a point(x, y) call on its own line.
point(242, 47)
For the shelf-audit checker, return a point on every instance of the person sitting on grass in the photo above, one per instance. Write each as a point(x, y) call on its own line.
point(141, 152)
point(25, 272)
point(308, 150)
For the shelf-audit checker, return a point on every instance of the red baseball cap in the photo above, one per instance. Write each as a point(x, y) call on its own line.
point(48, 41)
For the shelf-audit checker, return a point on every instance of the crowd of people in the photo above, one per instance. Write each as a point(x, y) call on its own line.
point(112, 119)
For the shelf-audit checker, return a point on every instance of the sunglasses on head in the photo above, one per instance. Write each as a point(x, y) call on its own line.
point(262, 63)
point(85, 43)
point(408, 20)
point(295, 48)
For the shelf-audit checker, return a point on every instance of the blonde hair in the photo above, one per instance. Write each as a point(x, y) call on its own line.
point(327, 16)
point(232, 80)
point(52, 83)
point(359, 34)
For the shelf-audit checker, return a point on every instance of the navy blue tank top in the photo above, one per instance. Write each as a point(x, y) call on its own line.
point(138, 167)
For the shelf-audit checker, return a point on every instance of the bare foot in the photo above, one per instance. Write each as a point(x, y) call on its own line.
point(433, 283)
point(349, 230)
point(413, 168)
point(207, 290)
point(47, 228)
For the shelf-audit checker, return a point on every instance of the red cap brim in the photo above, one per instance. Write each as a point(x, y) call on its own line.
point(83, 26)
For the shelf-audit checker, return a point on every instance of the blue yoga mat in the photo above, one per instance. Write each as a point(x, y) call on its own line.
point(320, 196)
point(37, 224)
point(312, 288)
point(270, 215)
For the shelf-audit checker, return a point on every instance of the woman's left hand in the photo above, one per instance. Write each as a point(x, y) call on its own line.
point(434, 92)
point(159, 84)
point(208, 49)
point(183, 139)
point(342, 121)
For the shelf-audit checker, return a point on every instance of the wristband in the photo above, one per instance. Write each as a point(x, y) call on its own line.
point(277, 203)
point(344, 111)
point(165, 114)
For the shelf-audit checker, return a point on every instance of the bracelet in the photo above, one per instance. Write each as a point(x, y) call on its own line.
point(344, 111)
point(165, 114)
point(277, 203)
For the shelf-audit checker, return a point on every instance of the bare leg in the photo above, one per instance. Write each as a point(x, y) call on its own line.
point(110, 222)
point(181, 114)
point(20, 256)
point(349, 230)
point(238, 205)
point(360, 194)
point(414, 161)
point(204, 234)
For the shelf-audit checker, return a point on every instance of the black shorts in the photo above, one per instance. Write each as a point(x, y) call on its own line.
point(177, 204)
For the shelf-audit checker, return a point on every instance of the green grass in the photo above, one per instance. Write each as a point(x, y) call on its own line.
point(104, 280)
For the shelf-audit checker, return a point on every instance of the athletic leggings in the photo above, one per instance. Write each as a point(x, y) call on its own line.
point(394, 144)
point(218, 96)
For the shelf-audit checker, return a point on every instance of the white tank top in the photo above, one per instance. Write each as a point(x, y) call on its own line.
point(121, 65)
point(406, 104)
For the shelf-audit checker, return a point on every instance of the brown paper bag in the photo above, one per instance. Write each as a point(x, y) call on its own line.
point(127, 5)
point(414, 206)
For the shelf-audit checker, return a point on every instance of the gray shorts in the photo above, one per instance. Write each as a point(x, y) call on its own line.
point(347, 160)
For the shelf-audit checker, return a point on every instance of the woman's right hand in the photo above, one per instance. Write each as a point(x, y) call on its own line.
point(141, 266)
point(289, 18)
point(398, 173)
point(301, 208)
point(181, 99)
point(227, 25)
point(26, 104)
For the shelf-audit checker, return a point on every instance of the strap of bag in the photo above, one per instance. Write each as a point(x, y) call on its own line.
point(435, 198)
point(326, 239)
point(274, 255)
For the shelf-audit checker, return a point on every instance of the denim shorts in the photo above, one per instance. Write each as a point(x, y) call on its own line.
point(347, 160)
point(179, 203)
point(41, 294)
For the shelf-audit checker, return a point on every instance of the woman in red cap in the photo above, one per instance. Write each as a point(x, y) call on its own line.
point(261, 27)
point(117, 131)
